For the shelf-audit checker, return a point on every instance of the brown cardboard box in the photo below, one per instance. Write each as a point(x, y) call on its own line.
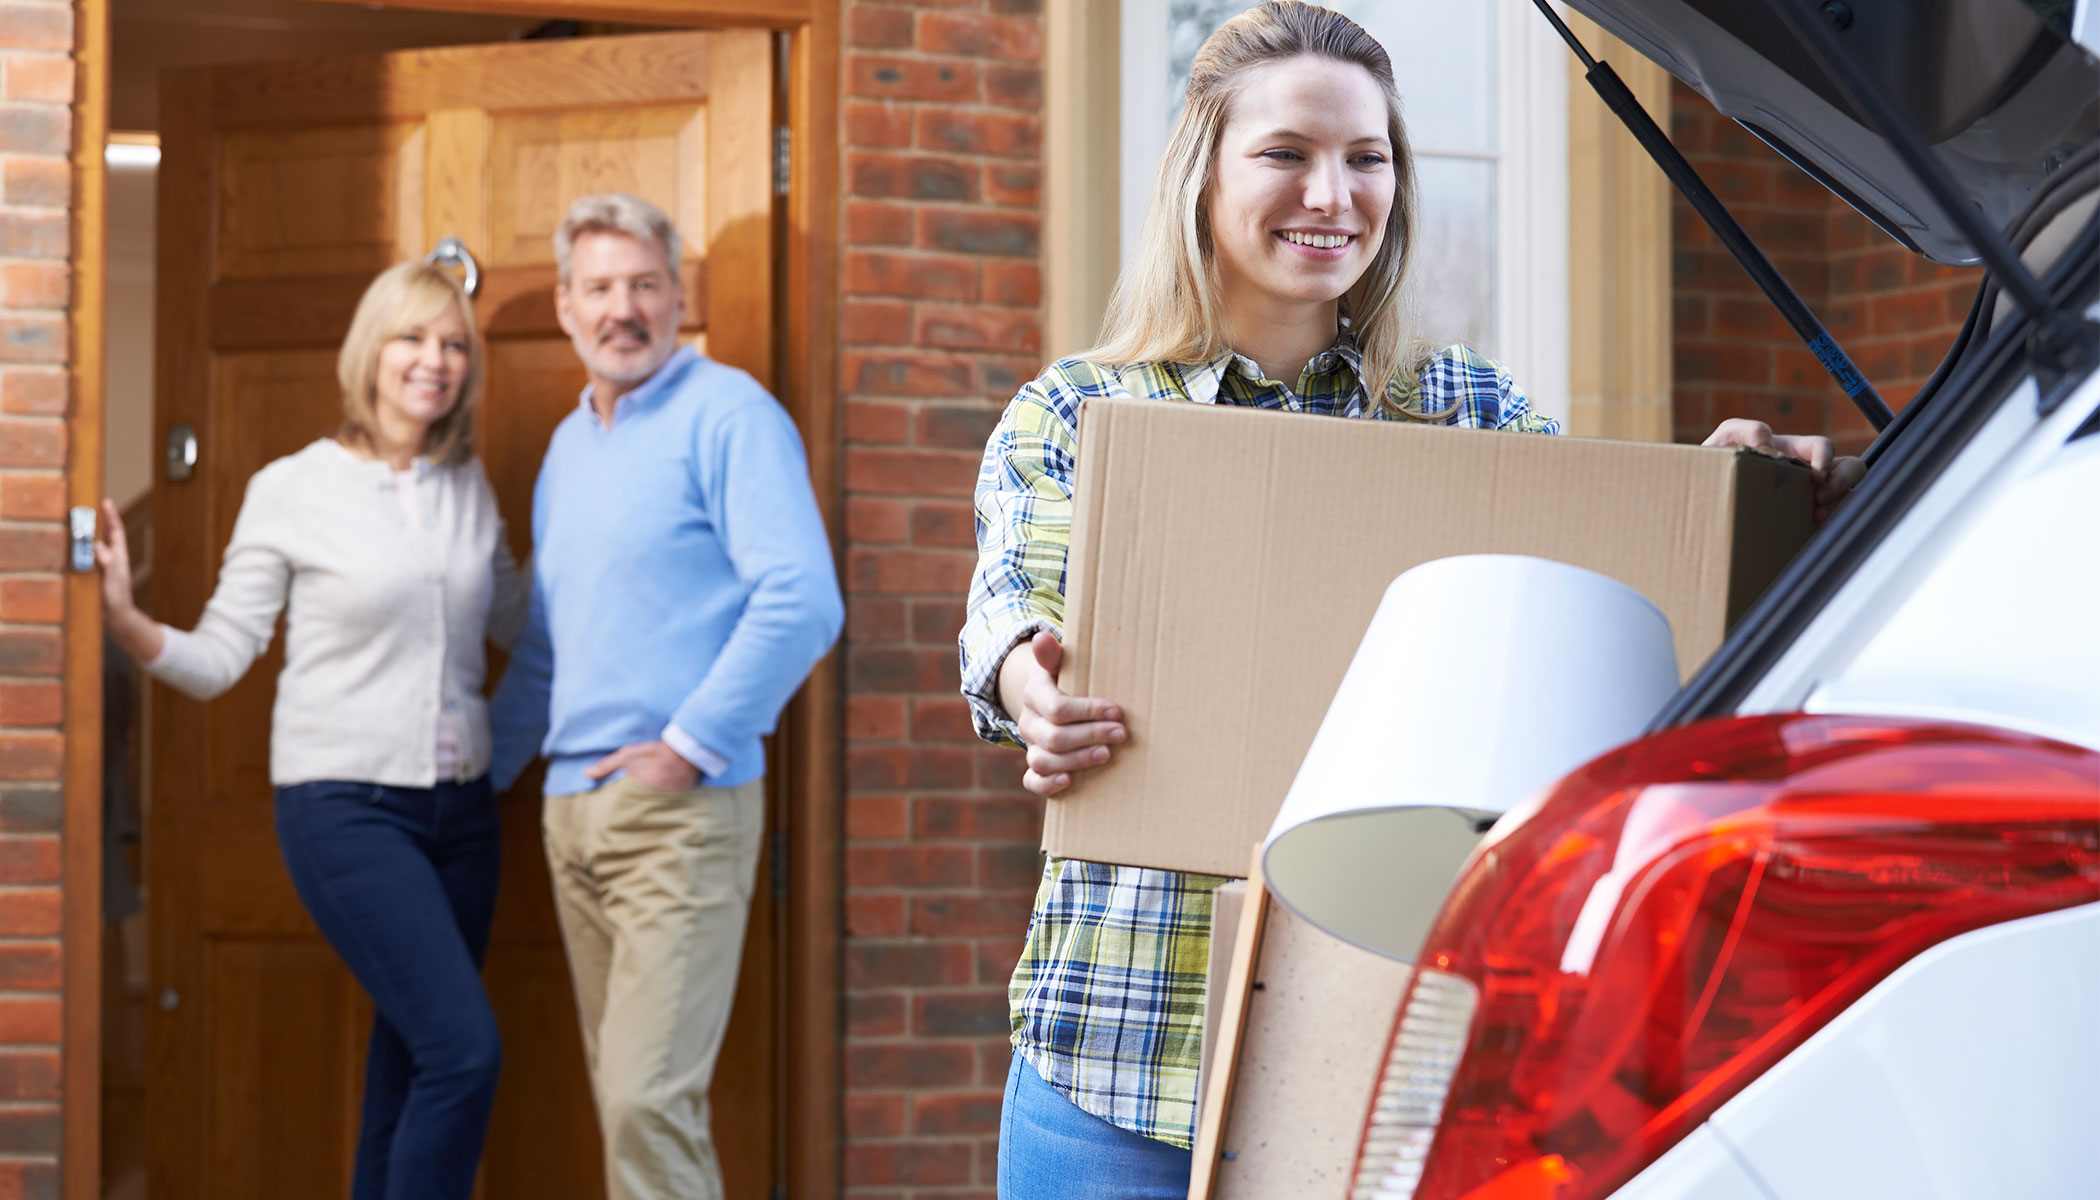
point(1225, 562)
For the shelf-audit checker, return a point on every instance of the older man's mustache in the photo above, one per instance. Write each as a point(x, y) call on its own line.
point(633, 329)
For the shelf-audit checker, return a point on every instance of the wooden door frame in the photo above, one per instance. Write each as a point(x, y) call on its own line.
point(806, 356)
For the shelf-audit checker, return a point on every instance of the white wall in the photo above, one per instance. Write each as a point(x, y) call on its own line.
point(130, 461)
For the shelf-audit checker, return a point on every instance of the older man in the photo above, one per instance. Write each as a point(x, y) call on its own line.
point(683, 588)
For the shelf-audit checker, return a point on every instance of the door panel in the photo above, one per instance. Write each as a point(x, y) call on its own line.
point(284, 188)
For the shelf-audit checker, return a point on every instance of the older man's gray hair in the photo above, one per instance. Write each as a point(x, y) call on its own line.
point(615, 212)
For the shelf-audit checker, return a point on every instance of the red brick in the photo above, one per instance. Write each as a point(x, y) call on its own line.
point(40, 80)
point(32, 496)
point(1011, 867)
point(1014, 186)
point(874, 1116)
point(871, 223)
point(31, 600)
point(878, 718)
point(30, 1131)
point(875, 1014)
point(30, 808)
point(875, 322)
point(996, 958)
point(29, 966)
point(908, 1164)
point(901, 669)
point(871, 818)
point(23, 1180)
point(36, 183)
point(942, 719)
point(1751, 319)
point(955, 426)
point(943, 525)
point(877, 125)
point(914, 963)
point(973, 914)
point(872, 520)
point(934, 619)
point(958, 328)
point(31, 912)
point(908, 571)
point(960, 1014)
point(977, 131)
point(942, 768)
point(889, 78)
point(45, 129)
point(31, 756)
point(29, 1075)
point(1737, 183)
point(875, 768)
point(912, 177)
point(950, 1113)
point(1013, 283)
point(30, 652)
point(1688, 316)
point(874, 28)
point(920, 374)
point(909, 866)
point(31, 548)
point(977, 819)
point(1906, 312)
point(39, 391)
point(32, 442)
point(1733, 365)
point(919, 1064)
point(911, 472)
point(1014, 87)
point(877, 422)
point(881, 914)
point(36, 27)
point(32, 337)
point(31, 1020)
point(873, 621)
point(918, 276)
point(972, 36)
point(964, 231)
point(29, 705)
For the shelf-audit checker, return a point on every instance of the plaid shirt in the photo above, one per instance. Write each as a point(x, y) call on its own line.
point(1107, 1000)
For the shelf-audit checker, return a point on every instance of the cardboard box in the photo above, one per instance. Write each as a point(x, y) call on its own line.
point(1225, 562)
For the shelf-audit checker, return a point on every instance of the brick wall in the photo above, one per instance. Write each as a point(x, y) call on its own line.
point(36, 90)
point(941, 324)
point(1894, 312)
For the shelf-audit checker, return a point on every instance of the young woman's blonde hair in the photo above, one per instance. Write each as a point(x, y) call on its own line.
point(404, 296)
point(1166, 306)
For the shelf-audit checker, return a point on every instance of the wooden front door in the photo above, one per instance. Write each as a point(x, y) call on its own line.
point(285, 188)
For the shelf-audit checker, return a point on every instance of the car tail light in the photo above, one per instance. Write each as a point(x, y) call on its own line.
point(1666, 923)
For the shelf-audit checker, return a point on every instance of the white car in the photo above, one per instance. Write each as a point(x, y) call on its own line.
point(1831, 930)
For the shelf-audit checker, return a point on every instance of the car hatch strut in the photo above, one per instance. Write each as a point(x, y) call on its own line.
point(1624, 105)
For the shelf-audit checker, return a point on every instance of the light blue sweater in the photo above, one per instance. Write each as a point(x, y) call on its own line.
point(681, 577)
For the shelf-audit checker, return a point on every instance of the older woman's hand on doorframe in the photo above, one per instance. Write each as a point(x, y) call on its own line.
point(1065, 734)
point(1834, 476)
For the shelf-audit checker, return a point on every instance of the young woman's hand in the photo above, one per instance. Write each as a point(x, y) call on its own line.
point(1833, 476)
point(137, 633)
point(1065, 734)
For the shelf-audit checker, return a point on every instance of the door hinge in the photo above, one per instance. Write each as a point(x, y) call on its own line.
point(782, 159)
point(779, 865)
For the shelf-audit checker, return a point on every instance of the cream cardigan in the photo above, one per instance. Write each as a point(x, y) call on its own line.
point(387, 621)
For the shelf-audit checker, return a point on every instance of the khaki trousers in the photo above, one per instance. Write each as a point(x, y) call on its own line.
point(653, 890)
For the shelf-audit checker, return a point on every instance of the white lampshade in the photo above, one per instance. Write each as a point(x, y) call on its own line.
point(1482, 680)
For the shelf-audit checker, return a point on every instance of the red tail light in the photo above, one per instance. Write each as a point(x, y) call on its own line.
point(1671, 920)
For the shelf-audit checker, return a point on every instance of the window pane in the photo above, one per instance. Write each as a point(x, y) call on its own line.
point(1453, 284)
point(1444, 61)
point(1188, 23)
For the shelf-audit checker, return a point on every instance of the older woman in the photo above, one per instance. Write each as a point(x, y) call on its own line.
point(384, 542)
point(1268, 275)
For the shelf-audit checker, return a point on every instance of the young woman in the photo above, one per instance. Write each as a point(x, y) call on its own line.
point(1268, 275)
point(385, 543)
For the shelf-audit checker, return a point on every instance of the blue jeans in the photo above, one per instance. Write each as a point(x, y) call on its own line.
point(402, 882)
point(1052, 1149)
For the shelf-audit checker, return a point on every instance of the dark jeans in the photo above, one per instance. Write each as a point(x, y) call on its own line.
point(402, 881)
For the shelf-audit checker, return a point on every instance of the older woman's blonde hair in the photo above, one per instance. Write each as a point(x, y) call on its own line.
point(403, 297)
point(1166, 306)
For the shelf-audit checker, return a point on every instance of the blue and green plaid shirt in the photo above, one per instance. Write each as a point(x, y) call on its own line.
point(1107, 1000)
